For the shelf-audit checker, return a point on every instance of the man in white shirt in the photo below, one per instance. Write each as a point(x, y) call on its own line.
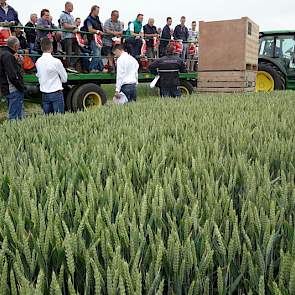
point(51, 75)
point(127, 73)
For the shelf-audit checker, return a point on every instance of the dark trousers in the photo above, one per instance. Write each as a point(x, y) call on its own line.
point(163, 50)
point(85, 60)
point(134, 46)
point(53, 102)
point(170, 91)
point(71, 46)
point(130, 91)
point(151, 52)
point(15, 102)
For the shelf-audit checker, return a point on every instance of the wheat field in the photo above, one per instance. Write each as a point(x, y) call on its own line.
point(162, 196)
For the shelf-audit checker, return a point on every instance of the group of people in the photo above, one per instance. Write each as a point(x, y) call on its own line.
point(42, 37)
point(88, 41)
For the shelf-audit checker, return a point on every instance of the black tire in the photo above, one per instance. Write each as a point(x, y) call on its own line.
point(83, 93)
point(274, 71)
point(186, 87)
point(69, 97)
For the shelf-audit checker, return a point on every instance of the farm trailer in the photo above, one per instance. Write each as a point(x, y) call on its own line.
point(84, 91)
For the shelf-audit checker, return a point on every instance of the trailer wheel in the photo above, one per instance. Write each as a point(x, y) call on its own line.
point(186, 88)
point(88, 96)
point(69, 98)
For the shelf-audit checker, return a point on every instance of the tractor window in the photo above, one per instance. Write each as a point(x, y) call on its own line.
point(266, 46)
point(285, 47)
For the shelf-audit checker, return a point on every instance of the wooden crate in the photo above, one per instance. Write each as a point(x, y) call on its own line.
point(226, 81)
point(230, 45)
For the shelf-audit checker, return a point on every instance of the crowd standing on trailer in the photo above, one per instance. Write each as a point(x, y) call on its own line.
point(82, 49)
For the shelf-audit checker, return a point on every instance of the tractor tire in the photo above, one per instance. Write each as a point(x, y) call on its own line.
point(69, 97)
point(88, 96)
point(186, 88)
point(279, 81)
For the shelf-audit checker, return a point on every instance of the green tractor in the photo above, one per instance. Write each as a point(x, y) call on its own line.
point(276, 68)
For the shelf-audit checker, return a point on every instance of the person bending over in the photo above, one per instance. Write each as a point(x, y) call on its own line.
point(127, 73)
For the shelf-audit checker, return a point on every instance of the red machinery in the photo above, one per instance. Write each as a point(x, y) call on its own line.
point(5, 33)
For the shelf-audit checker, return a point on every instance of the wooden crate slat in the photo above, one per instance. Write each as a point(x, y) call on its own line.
point(219, 84)
point(227, 90)
point(225, 76)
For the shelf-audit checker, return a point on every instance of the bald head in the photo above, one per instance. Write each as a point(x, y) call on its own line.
point(13, 43)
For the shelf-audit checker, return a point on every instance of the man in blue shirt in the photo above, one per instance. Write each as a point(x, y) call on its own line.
point(44, 29)
point(8, 16)
point(181, 33)
point(165, 37)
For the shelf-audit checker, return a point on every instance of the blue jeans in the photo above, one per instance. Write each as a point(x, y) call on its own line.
point(184, 51)
point(130, 91)
point(53, 102)
point(32, 46)
point(15, 102)
point(170, 92)
point(96, 62)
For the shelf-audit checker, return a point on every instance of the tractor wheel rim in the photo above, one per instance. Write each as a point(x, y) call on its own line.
point(91, 100)
point(264, 82)
point(184, 91)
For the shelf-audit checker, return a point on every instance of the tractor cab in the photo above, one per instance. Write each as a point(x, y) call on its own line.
point(276, 70)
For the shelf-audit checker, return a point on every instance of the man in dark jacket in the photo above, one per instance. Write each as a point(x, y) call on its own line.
point(23, 43)
point(181, 33)
point(93, 25)
point(150, 32)
point(11, 80)
point(165, 37)
point(30, 31)
point(168, 67)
